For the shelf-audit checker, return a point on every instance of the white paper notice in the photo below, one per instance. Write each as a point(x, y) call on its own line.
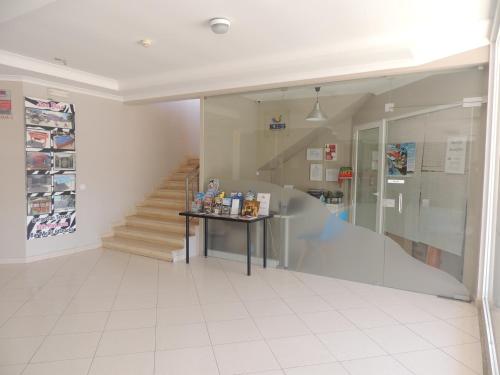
point(265, 200)
point(332, 174)
point(316, 172)
point(314, 154)
point(456, 149)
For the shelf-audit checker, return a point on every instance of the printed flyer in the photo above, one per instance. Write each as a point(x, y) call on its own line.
point(401, 158)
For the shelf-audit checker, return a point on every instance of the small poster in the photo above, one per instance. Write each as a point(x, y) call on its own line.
point(42, 226)
point(5, 104)
point(277, 123)
point(330, 152)
point(250, 208)
point(401, 158)
point(265, 200)
point(332, 174)
point(37, 138)
point(456, 148)
point(316, 172)
point(314, 154)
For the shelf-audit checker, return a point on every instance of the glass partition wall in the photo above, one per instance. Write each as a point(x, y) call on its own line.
point(387, 190)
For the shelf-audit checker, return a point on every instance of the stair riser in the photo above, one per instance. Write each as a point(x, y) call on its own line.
point(172, 194)
point(173, 186)
point(179, 206)
point(165, 228)
point(170, 217)
point(137, 251)
point(150, 239)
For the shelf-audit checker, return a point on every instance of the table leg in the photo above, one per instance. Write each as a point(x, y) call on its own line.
point(205, 242)
point(249, 255)
point(187, 239)
point(264, 255)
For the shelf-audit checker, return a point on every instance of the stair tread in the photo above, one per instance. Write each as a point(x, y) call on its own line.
point(126, 242)
point(154, 220)
point(150, 232)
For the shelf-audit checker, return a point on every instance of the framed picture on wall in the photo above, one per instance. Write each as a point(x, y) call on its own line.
point(39, 205)
point(39, 183)
point(37, 138)
point(38, 161)
point(64, 161)
point(331, 151)
point(314, 154)
point(64, 182)
point(64, 203)
point(64, 140)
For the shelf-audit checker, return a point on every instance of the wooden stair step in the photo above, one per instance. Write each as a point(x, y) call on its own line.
point(147, 249)
point(156, 224)
point(174, 204)
point(175, 185)
point(171, 215)
point(169, 193)
point(175, 240)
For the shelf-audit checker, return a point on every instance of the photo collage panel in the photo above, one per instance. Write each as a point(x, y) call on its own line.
point(50, 167)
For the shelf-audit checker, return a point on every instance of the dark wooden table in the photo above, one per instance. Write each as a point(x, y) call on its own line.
point(234, 218)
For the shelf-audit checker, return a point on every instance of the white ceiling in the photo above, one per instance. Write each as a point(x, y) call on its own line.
point(270, 41)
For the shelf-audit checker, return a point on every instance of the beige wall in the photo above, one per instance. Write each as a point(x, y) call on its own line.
point(230, 138)
point(123, 152)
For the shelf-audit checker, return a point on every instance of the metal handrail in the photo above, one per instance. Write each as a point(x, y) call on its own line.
point(195, 172)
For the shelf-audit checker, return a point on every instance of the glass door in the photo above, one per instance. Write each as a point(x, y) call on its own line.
point(366, 184)
point(426, 194)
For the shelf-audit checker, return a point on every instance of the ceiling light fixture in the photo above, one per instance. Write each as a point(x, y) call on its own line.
point(220, 25)
point(146, 42)
point(316, 114)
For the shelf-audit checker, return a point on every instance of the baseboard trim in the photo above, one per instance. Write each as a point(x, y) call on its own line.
point(54, 254)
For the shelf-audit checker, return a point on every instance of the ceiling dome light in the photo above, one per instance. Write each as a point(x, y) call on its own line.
point(316, 113)
point(146, 42)
point(220, 25)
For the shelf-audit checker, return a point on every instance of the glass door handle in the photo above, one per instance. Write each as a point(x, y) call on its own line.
point(400, 203)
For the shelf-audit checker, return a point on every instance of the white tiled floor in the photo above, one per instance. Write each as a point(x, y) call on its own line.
point(104, 312)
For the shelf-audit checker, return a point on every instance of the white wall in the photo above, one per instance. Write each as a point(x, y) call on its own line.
point(123, 153)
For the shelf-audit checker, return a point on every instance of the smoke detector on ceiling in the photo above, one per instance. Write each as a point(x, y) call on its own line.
point(220, 25)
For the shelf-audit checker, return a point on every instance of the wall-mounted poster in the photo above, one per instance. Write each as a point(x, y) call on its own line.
point(331, 151)
point(38, 161)
point(39, 205)
point(456, 148)
point(401, 158)
point(64, 161)
point(64, 182)
point(316, 172)
point(50, 156)
point(39, 183)
point(37, 138)
point(64, 140)
point(5, 104)
point(277, 123)
point(314, 154)
point(332, 174)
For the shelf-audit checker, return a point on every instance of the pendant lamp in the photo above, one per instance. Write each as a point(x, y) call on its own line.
point(316, 114)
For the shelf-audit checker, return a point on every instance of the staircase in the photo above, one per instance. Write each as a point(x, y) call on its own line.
point(156, 230)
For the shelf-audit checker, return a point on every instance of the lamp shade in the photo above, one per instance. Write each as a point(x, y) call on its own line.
point(316, 114)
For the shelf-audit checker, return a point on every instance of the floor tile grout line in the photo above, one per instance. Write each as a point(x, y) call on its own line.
point(62, 313)
point(109, 314)
point(253, 319)
point(204, 318)
point(38, 288)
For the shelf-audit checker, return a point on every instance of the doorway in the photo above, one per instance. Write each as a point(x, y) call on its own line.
point(412, 183)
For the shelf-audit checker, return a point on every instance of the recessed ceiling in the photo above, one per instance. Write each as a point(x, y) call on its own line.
point(269, 41)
